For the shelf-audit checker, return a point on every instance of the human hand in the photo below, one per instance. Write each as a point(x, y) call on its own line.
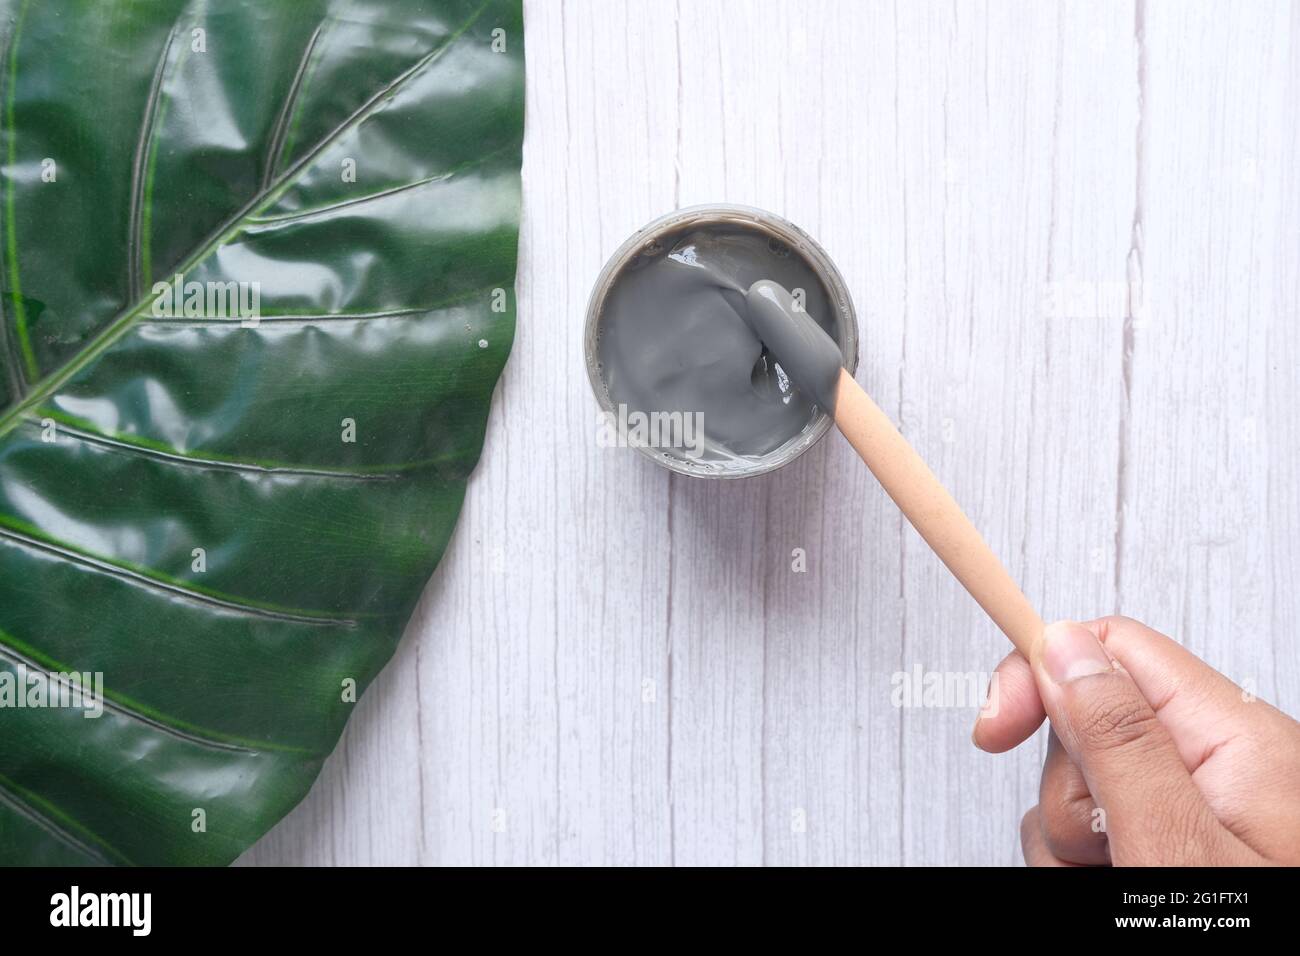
point(1155, 758)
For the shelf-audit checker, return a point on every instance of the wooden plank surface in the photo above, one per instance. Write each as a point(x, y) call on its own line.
point(1071, 231)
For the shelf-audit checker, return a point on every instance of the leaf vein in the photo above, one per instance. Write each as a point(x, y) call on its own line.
point(143, 150)
point(71, 555)
point(200, 736)
point(28, 356)
point(13, 360)
point(195, 461)
point(302, 214)
point(447, 303)
point(12, 795)
point(286, 111)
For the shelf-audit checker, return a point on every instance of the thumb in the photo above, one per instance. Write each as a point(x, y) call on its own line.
point(1153, 812)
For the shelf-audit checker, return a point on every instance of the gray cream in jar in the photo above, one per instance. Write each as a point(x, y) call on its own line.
point(678, 335)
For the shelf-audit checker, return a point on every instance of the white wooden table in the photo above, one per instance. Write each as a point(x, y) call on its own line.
point(1072, 235)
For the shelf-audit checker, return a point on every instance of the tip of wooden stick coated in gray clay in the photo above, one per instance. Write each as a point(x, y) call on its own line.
point(803, 349)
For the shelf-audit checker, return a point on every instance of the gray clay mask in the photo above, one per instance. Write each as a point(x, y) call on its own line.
point(679, 334)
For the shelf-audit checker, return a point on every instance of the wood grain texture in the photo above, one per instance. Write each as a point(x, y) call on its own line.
point(1071, 234)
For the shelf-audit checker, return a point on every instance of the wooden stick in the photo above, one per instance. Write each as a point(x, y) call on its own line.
point(933, 512)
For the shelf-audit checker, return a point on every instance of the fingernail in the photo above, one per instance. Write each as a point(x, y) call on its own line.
point(1071, 651)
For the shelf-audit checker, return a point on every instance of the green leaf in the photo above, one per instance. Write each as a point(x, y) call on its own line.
point(180, 509)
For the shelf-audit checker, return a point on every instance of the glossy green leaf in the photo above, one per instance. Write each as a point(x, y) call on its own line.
point(230, 513)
